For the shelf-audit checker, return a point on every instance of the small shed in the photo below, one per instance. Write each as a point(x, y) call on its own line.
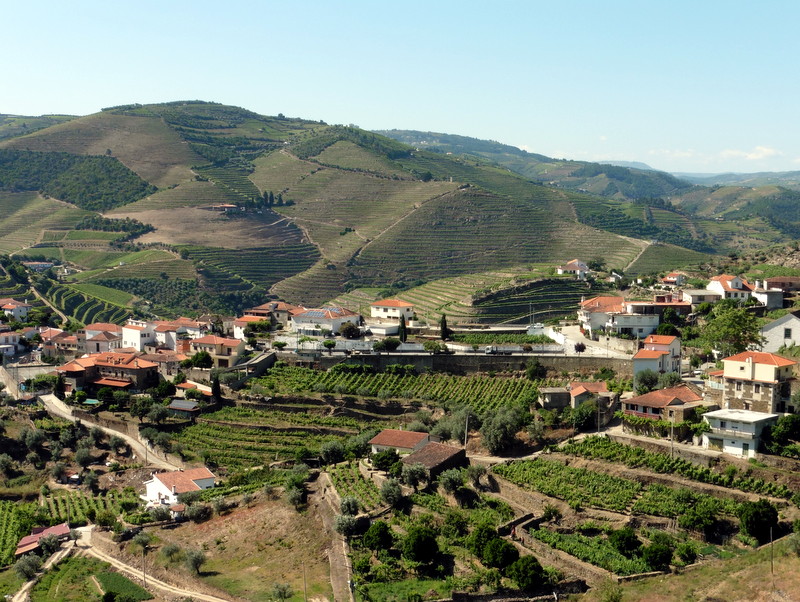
point(184, 408)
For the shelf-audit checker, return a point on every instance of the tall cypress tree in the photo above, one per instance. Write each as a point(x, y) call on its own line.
point(401, 333)
point(444, 331)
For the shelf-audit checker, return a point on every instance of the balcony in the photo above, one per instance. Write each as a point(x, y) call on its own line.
point(736, 433)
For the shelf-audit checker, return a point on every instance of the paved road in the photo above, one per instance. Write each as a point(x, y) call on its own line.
point(57, 407)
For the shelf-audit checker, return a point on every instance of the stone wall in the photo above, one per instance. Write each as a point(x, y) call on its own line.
point(660, 446)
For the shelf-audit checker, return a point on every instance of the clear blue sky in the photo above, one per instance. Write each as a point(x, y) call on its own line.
point(706, 86)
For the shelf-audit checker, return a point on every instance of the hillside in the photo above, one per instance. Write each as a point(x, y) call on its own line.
point(608, 180)
point(244, 206)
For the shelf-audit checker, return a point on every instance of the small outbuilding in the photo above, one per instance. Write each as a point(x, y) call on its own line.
point(437, 457)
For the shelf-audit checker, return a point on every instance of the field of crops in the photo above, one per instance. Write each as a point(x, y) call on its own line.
point(577, 486)
point(349, 483)
point(482, 393)
point(110, 295)
point(594, 550)
point(659, 500)
point(9, 532)
point(73, 505)
point(603, 448)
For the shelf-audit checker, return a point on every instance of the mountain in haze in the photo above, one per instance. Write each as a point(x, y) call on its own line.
point(632, 164)
point(196, 206)
point(611, 179)
point(788, 179)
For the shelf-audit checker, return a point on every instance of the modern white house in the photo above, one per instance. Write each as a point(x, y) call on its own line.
point(314, 321)
point(783, 332)
point(165, 487)
point(576, 267)
point(696, 296)
point(736, 432)
point(138, 333)
point(17, 310)
point(392, 309)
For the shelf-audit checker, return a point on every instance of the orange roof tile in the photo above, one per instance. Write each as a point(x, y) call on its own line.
point(759, 357)
point(184, 480)
point(649, 354)
point(396, 438)
point(665, 397)
point(660, 339)
point(391, 303)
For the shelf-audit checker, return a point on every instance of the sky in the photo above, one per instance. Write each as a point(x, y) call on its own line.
point(684, 86)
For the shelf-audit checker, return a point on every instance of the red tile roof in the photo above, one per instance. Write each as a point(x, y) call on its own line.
point(579, 388)
point(659, 339)
point(184, 480)
point(392, 303)
point(649, 354)
point(759, 357)
point(212, 339)
point(396, 438)
point(433, 454)
point(664, 397)
point(725, 281)
point(603, 304)
point(104, 327)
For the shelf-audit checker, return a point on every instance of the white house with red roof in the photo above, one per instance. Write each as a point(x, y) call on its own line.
point(165, 487)
point(661, 353)
point(240, 325)
point(581, 391)
point(576, 267)
point(136, 334)
point(731, 287)
point(403, 442)
point(392, 309)
point(757, 381)
point(674, 279)
point(18, 310)
point(316, 320)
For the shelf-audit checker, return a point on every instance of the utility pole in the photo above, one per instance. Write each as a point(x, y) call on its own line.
point(466, 430)
point(305, 592)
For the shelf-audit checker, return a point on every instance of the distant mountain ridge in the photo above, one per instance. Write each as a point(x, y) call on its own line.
point(613, 179)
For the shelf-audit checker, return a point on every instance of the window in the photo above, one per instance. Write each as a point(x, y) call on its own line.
point(757, 388)
point(738, 386)
point(787, 333)
point(723, 424)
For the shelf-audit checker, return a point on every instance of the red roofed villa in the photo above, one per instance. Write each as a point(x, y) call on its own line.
point(392, 309)
point(165, 487)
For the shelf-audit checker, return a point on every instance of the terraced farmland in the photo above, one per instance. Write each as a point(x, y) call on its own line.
point(255, 267)
point(481, 393)
point(194, 193)
point(348, 155)
point(236, 182)
point(82, 307)
point(349, 483)
point(546, 299)
point(658, 258)
point(74, 506)
point(25, 215)
point(10, 531)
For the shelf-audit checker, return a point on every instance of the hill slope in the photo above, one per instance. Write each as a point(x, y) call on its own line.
point(326, 208)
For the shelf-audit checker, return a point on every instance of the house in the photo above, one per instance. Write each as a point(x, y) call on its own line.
point(168, 363)
point(787, 284)
point(276, 311)
point(771, 298)
point(437, 458)
point(240, 325)
point(661, 353)
point(223, 351)
point(552, 398)
point(184, 408)
point(756, 381)
point(16, 310)
point(403, 442)
point(9, 340)
point(736, 431)
point(731, 287)
point(318, 320)
point(674, 279)
point(673, 404)
point(576, 268)
point(392, 309)
point(696, 296)
point(594, 313)
point(30, 543)
point(38, 266)
point(98, 337)
point(136, 334)
point(783, 332)
point(124, 371)
point(579, 392)
point(165, 487)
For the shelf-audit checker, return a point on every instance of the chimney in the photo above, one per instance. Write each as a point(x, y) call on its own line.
point(174, 490)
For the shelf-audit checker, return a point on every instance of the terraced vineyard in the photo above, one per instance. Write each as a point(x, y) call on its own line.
point(82, 307)
point(256, 267)
point(25, 215)
point(235, 182)
point(73, 506)
point(10, 532)
point(349, 483)
point(482, 393)
point(586, 487)
point(348, 155)
point(546, 299)
point(660, 257)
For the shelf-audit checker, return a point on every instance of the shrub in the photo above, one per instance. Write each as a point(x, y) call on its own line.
point(657, 556)
point(420, 544)
point(526, 572)
point(758, 518)
point(687, 552)
point(345, 524)
point(349, 505)
point(198, 513)
point(625, 541)
point(414, 474)
point(551, 513)
point(385, 459)
point(378, 536)
point(452, 480)
point(391, 493)
point(499, 553)
point(480, 536)
point(332, 452)
point(27, 566)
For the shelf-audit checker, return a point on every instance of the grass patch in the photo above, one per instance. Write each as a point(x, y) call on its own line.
point(68, 581)
point(119, 584)
point(9, 582)
point(401, 591)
